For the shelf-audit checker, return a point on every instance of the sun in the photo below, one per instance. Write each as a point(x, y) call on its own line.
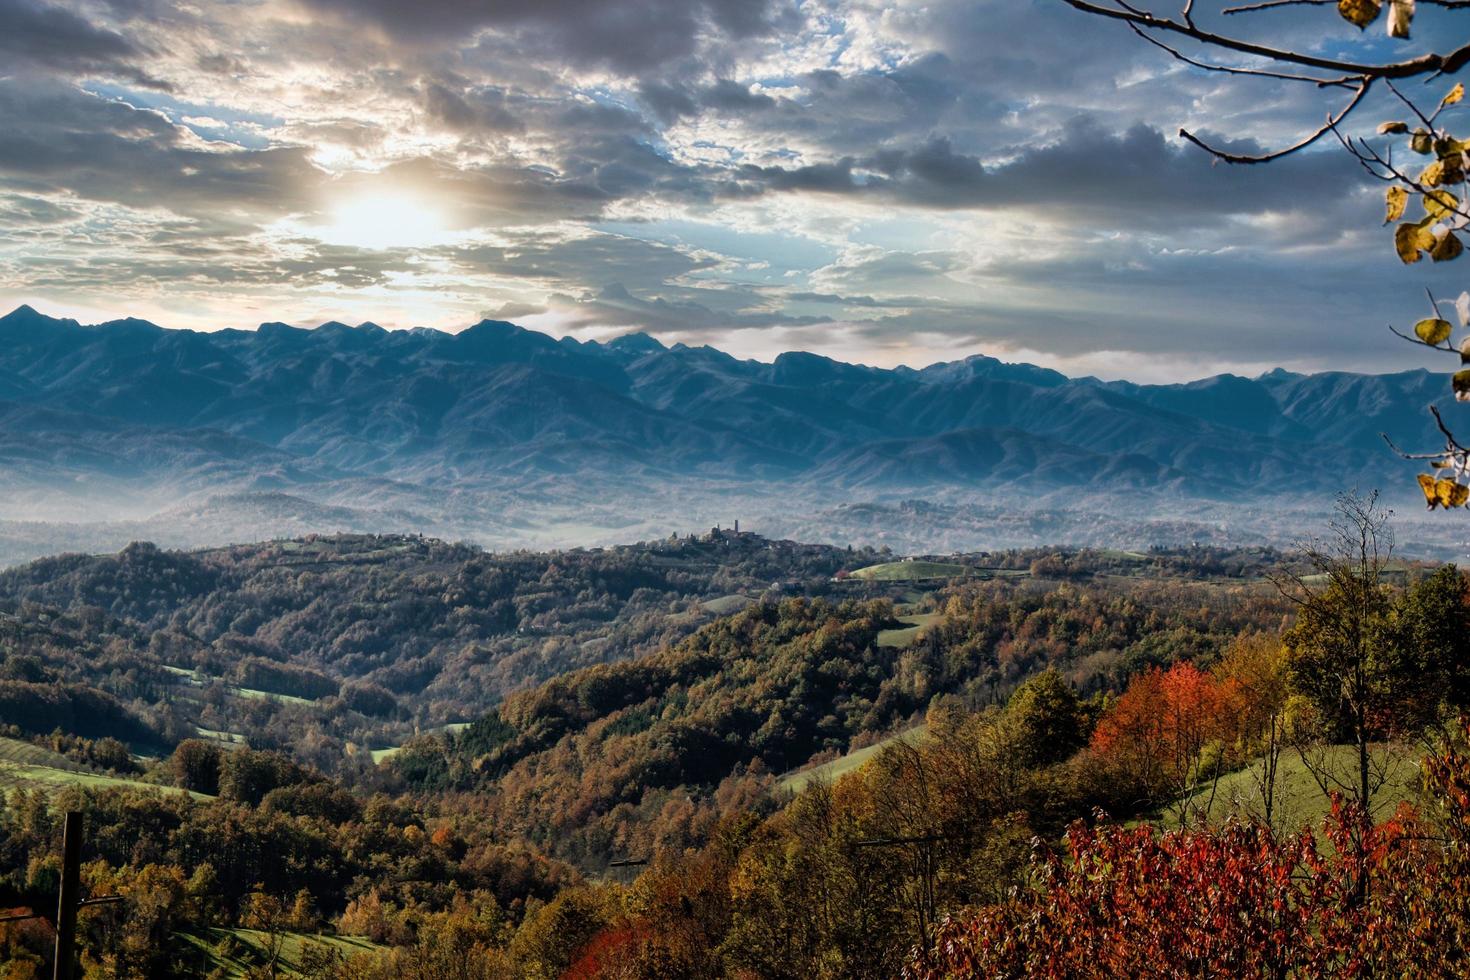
point(384, 221)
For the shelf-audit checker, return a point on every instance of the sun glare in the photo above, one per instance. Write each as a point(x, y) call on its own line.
point(384, 221)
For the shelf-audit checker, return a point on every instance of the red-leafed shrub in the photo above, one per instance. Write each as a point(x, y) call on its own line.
point(1391, 899)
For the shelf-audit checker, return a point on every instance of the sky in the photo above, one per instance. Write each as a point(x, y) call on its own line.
point(886, 183)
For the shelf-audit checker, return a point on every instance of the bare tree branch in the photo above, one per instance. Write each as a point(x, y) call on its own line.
point(1422, 65)
point(1329, 127)
point(1345, 81)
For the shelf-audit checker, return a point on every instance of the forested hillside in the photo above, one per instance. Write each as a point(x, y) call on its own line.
point(626, 816)
point(328, 643)
point(632, 756)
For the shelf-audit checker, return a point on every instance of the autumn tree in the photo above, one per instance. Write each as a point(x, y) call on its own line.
point(1048, 721)
point(1376, 662)
point(196, 766)
point(1342, 655)
point(1254, 668)
point(1156, 733)
point(1430, 173)
point(268, 915)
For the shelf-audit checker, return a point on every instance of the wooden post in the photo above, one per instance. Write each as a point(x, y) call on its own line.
point(66, 904)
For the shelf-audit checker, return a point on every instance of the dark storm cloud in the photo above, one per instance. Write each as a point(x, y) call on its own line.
point(472, 109)
point(1136, 177)
point(628, 36)
point(44, 36)
point(669, 102)
point(58, 138)
point(730, 96)
point(851, 113)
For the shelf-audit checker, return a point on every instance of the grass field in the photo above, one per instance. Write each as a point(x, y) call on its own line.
point(1299, 800)
point(797, 781)
point(911, 571)
point(727, 604)
point(901, 638)
point(250, 949)
point(27, 766)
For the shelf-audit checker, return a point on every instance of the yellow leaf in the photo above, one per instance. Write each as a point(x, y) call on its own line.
point(1426, 483)
point(1422, 141)
point(1450, 494)
point(1460, 382)
point(1409, 239)
point(1359, 13)
point(1437, 204)
point(1456, 94)
point(1433, 331)
point(1397, 199)
point(1432, 175)
point(1384, 129)
point(1447, 147)
point(1446, 248)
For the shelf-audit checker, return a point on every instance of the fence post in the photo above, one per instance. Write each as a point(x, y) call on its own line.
point(66, 905)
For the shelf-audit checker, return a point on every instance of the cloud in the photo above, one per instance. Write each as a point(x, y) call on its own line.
point(41, 36)
point(880, 177)
point(1135, 178)
point(474, 109)
point(21, 209)
point(59, 139)
point(628, 36)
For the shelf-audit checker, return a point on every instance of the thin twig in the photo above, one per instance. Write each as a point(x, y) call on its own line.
point(1406, 455)
point(1368, 157)
point(1449, 436)
point(1344, 81)
point(1329, 127)
point(1410, 103)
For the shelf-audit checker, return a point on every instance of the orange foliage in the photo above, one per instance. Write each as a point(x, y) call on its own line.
point(1158, 727)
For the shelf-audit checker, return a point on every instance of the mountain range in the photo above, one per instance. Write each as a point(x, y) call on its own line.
point(131, 414)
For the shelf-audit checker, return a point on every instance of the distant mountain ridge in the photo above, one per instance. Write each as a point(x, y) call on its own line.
point(282, 407)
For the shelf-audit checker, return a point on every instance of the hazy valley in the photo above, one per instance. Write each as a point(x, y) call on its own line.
point(507, 438)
